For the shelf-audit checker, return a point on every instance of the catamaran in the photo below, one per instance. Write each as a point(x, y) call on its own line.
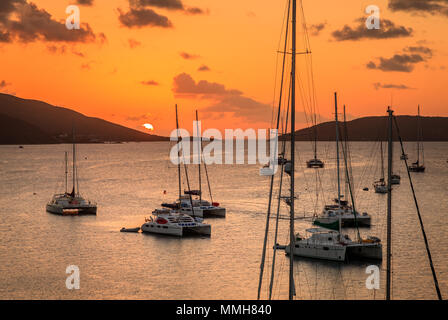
point(71, 203)
point(175, 224)
point(417, 166)
point(341, 209)
point(191, 202)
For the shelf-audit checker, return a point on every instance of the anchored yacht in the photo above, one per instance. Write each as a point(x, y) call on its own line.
point(331, 245)
point(341, 209)
point(71, 203)
point(170, 222)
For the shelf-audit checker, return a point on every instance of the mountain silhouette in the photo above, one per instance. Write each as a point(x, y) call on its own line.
point(375, 128)
point(24, 121)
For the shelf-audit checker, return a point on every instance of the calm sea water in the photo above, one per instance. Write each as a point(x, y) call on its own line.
point(127, 181)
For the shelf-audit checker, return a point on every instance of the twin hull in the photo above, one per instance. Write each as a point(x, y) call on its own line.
point(176, 230)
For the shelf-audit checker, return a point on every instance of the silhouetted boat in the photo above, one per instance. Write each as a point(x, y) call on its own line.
point(71, 203)
point(417, 166)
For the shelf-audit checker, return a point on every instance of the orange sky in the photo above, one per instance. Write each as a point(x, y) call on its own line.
point(238, 42)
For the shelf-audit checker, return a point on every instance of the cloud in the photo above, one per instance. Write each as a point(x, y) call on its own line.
point(195, 11)
point(62, 49)
point(203, 68)
point(165, 4)
point(420, 49)
point(85, 2)
point(315, 29)
point(137, 18)
point(420, 6)
point(184, 85)
point(188, 56)
point(150, 83)
point(387, 30)
point(31, 23)
point(404, 62)
point(134, 43)
point(379, 85)
point(399, 62)
point(242, 107)
point(175, 5)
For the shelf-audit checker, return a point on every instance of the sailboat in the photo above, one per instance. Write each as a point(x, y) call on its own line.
point(191, 201)
point(380, 185)
point(173, 219)
point(71, 203)
point(341, 208)
point(315, 162)
point(417, 166)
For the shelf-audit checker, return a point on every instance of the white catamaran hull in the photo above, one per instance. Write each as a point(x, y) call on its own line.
point(176, 230)
point(73, 210)
point(319, 251)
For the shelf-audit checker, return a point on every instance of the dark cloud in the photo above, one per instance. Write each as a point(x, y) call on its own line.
point(387, 30)
point(150, 83)
point(379, 85)
point(188, 56)
point(85, 2)
point(31, 23)
point(399, 62)
point(137, 18)
point(166, 4)
point(203, 68)
point(403, 62)
point(134, 43)
point(315, 29)
point(419, 49)
point(184, 85)
point(420, 6)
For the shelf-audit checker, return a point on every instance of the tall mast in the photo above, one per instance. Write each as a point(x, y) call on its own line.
point(382, 159)
point(337, 143)
point(199, 157)
point(178, 155)
point(389, 205)
point(66, 171)
point(293, 138)
point(74, 165)
point(418, 134)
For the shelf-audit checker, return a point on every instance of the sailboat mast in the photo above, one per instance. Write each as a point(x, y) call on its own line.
point(66, 171)
point(337, 143)
point(293, 138)
point(178, 155)
point(199, 157)
point(74, 165)
point(389, 206)
point(418, 134)
point(382, 159)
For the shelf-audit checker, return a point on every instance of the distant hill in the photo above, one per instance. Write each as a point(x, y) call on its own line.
point(25, 121)
point(375, 128)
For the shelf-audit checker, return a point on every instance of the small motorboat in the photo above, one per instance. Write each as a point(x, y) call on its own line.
point(137, 229)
